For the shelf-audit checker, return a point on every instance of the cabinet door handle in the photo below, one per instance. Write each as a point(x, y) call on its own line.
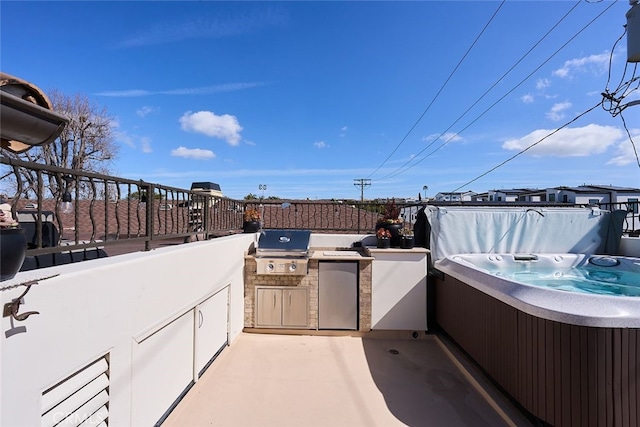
point(201, 316)
point(274, 300)
point(289, 299)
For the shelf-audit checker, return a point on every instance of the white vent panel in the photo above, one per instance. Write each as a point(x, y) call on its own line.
point(80, 399)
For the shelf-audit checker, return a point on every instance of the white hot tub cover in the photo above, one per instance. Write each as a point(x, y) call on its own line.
point(459, 230)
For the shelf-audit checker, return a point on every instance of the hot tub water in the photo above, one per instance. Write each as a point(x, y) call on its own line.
point(586, 279)
point(603, 275)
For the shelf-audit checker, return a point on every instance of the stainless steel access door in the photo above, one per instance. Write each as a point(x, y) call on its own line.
point(338, 295)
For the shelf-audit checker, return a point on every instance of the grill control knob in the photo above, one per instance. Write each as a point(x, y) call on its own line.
point(270, 267)
point(292, 267)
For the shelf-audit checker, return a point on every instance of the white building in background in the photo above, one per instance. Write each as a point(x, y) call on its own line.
point(594, 194)
point(516, 195)
point(625, 198)
point(465, 196)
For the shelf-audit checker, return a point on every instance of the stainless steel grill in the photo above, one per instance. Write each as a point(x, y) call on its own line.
point(283, 252)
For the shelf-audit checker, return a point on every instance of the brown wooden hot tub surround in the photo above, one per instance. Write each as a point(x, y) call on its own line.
point(562, 374)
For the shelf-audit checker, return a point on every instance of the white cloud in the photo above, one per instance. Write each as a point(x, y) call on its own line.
point(596, 63)
point(624, 151)
point(527, 99)
point(320, 144)
point(146, 110)
point(124, 138)
point(557, 111)
point(205, 90)
point(145, 144)
point(130, 141)
point(193, 153)
point(344, 128)
point(543, 84)
point(205, 27)
point(446, 137)
point(568, 142)
point(208, 123)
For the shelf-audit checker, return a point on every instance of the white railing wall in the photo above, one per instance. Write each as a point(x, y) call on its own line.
point(106, 308)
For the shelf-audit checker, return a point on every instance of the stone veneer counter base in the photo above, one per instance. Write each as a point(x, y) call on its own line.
point(309, 282)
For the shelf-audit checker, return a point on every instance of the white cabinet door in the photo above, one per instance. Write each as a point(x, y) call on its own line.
point(162, 369)
point(268, 307)
point(279, 307)
point(212, 320)
point(295, 308)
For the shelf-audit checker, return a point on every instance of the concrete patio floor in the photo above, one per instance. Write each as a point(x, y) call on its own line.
point(292, 380)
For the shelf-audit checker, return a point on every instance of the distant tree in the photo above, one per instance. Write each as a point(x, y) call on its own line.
point(86, 144)
point(135, 195)
point(273, 198)
point(251, 196)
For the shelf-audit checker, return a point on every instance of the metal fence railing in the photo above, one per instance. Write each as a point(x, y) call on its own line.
point(65, 210)
point(632, 220)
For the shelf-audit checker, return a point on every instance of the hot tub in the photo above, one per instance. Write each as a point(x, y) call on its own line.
point(580, 289)
point(558, 332)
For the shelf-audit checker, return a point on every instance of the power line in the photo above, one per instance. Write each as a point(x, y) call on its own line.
point(398, 171)
point(440, 90)
point(635, 151)
point(527, 149)
point(613, 102)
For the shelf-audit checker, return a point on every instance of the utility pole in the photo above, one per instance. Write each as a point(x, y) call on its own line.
point(362, 183)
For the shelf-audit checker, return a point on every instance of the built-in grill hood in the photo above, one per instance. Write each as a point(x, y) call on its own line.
point(283, 252)
point(283, 243)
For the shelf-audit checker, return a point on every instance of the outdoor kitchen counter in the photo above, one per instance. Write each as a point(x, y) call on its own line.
point(399, 286)
point(339, 255)
point(296, 295)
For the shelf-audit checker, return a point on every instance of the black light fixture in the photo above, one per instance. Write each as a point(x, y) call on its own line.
point(26, 116)
point(143, 199)
point(67, 202)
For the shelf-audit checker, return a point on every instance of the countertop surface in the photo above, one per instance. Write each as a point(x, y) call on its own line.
point(338, 254)
point(416, 250)
point(355, 254)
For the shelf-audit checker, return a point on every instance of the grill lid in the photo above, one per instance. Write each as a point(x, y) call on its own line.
point(283, 243)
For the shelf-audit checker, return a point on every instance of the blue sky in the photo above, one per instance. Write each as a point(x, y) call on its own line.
point(306, 97)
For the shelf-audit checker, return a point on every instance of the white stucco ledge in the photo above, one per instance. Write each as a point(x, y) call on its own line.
point(630, 246)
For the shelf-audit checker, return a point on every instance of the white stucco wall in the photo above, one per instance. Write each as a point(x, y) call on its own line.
point(399, 289)
point(630, 246)
point(98, 307)
point(334, 240)
point(142, 309)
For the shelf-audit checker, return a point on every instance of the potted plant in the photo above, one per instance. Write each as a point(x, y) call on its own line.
point(407, 238)
point(391, 221)
point(251, 222)
point(13, 244)
point(383, 238)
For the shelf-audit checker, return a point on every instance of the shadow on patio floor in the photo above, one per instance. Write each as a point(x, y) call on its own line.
point(289, 380)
